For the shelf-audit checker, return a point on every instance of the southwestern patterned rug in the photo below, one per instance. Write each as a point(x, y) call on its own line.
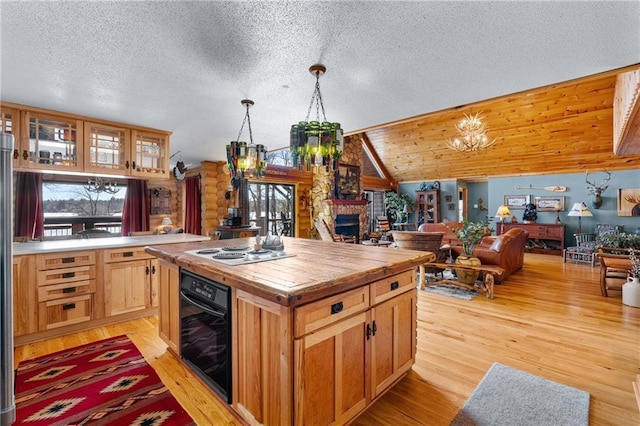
point(102, 383)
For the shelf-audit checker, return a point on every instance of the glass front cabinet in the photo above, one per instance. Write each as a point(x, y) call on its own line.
point(150, 154)
point(108, 149)
point(47, 140)
point(53, 143)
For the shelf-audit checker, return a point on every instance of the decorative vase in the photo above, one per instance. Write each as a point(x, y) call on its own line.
point(466, 276)
point(631, 292)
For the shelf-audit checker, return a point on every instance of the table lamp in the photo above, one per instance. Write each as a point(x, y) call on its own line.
point(503, 212)
point(558, 210)
point(166, 224)
point(580, 210)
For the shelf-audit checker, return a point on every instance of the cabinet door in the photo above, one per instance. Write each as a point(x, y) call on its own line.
point(394, 340)
point(169, 300)
point(331, 372)
point(107, 149)
point(10, 123)
point(126, 286)
point(54, 143)
point(25, 296)
point(150, 154)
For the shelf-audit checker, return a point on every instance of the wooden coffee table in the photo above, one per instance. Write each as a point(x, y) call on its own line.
point(485, 287)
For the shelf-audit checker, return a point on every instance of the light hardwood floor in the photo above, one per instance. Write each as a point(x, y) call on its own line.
point(548, 319)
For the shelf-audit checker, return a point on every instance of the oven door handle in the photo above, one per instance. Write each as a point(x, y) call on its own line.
point(205, 308)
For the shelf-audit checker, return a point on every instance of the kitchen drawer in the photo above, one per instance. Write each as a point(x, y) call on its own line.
point(65, 260)
point(319, 314)
point(66, 275)
point(391, 287)
point(555, 232)
point(62, 312)
point(126, 254)
point(59, 291)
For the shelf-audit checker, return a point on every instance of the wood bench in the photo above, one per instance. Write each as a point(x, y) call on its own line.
point(485, 287)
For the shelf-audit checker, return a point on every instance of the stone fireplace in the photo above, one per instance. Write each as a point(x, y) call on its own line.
point(333, 208)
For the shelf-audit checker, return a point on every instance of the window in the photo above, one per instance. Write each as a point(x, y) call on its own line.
point(375, 208)
point(271, 207)
point(70, 207)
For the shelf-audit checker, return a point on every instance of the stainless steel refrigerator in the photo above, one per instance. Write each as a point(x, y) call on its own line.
point(7, 396)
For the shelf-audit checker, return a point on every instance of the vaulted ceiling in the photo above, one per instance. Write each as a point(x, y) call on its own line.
point(184, 66)
point(561, 128)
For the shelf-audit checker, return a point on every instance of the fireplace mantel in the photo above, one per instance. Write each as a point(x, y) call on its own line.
point(347, 202)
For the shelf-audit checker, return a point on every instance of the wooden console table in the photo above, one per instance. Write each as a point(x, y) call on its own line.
point(485, 287)
point(545, 238)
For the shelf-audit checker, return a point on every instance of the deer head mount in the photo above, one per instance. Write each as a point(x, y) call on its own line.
point(597, 190)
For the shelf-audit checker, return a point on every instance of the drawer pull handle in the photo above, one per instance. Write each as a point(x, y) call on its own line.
point(68, 275)
point(68, 259)
point(69, 290)
point(336, 307)
point(127, 254)
point(394, 285)
point(68, 306)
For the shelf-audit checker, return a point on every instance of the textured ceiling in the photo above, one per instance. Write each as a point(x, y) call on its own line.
point(185, 66)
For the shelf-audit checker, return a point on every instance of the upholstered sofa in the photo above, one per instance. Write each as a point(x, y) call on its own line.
point(505, 251)
point(449, 237)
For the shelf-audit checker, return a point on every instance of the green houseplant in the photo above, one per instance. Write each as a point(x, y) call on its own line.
point(397, 204)
point(469, 234)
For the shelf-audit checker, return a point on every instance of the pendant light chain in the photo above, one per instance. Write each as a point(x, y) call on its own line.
point(247, 119)
point(317, 97)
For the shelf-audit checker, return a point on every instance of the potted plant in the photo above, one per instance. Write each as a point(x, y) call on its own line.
point(397, 204)
point(469, 234)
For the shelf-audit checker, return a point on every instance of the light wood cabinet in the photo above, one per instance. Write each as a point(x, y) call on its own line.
point(66, 285)
point(150, 154)
point(332, 370)
point(50, 140)
point(354, 346)
point(25, 297)
point(427, 209)
point(128, 275)
point(53, 142)
point(169, 301)
point(107, 149)
point(394, 340)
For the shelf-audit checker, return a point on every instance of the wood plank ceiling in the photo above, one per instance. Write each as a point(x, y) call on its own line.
point(562, 128)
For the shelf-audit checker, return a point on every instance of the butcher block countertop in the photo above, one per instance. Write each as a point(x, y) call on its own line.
point(315, 270)
point(39, 247)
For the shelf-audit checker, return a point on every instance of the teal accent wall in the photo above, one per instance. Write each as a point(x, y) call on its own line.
point(493, 191)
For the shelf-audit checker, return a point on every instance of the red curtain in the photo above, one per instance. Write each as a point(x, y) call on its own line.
point(29, 207)
point(135, 213)
point(193, 212)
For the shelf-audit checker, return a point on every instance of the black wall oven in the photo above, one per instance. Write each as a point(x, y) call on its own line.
point(205, 330)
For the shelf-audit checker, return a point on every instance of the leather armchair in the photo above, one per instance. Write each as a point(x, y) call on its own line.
point(505, 251)
point(445, 227)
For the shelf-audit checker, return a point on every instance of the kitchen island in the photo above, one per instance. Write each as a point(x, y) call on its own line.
point(317, 336)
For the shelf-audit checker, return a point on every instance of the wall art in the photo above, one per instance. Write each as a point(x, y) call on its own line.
point(517, 202)
point(629, 202)
point(548, 204)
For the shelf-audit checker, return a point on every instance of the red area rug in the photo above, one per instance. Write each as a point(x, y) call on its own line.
point(102, 383)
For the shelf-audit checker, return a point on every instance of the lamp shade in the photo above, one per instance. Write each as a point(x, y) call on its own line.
point(503, 211)
point(579, 209)
point(166, 221)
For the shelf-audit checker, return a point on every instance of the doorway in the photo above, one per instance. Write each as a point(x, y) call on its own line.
point(272, 208)
point(462, 203)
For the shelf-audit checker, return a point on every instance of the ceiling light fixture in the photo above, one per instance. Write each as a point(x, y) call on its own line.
point(246, 161)
point(100, 184)
point(472, 135)
point(315, 142)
